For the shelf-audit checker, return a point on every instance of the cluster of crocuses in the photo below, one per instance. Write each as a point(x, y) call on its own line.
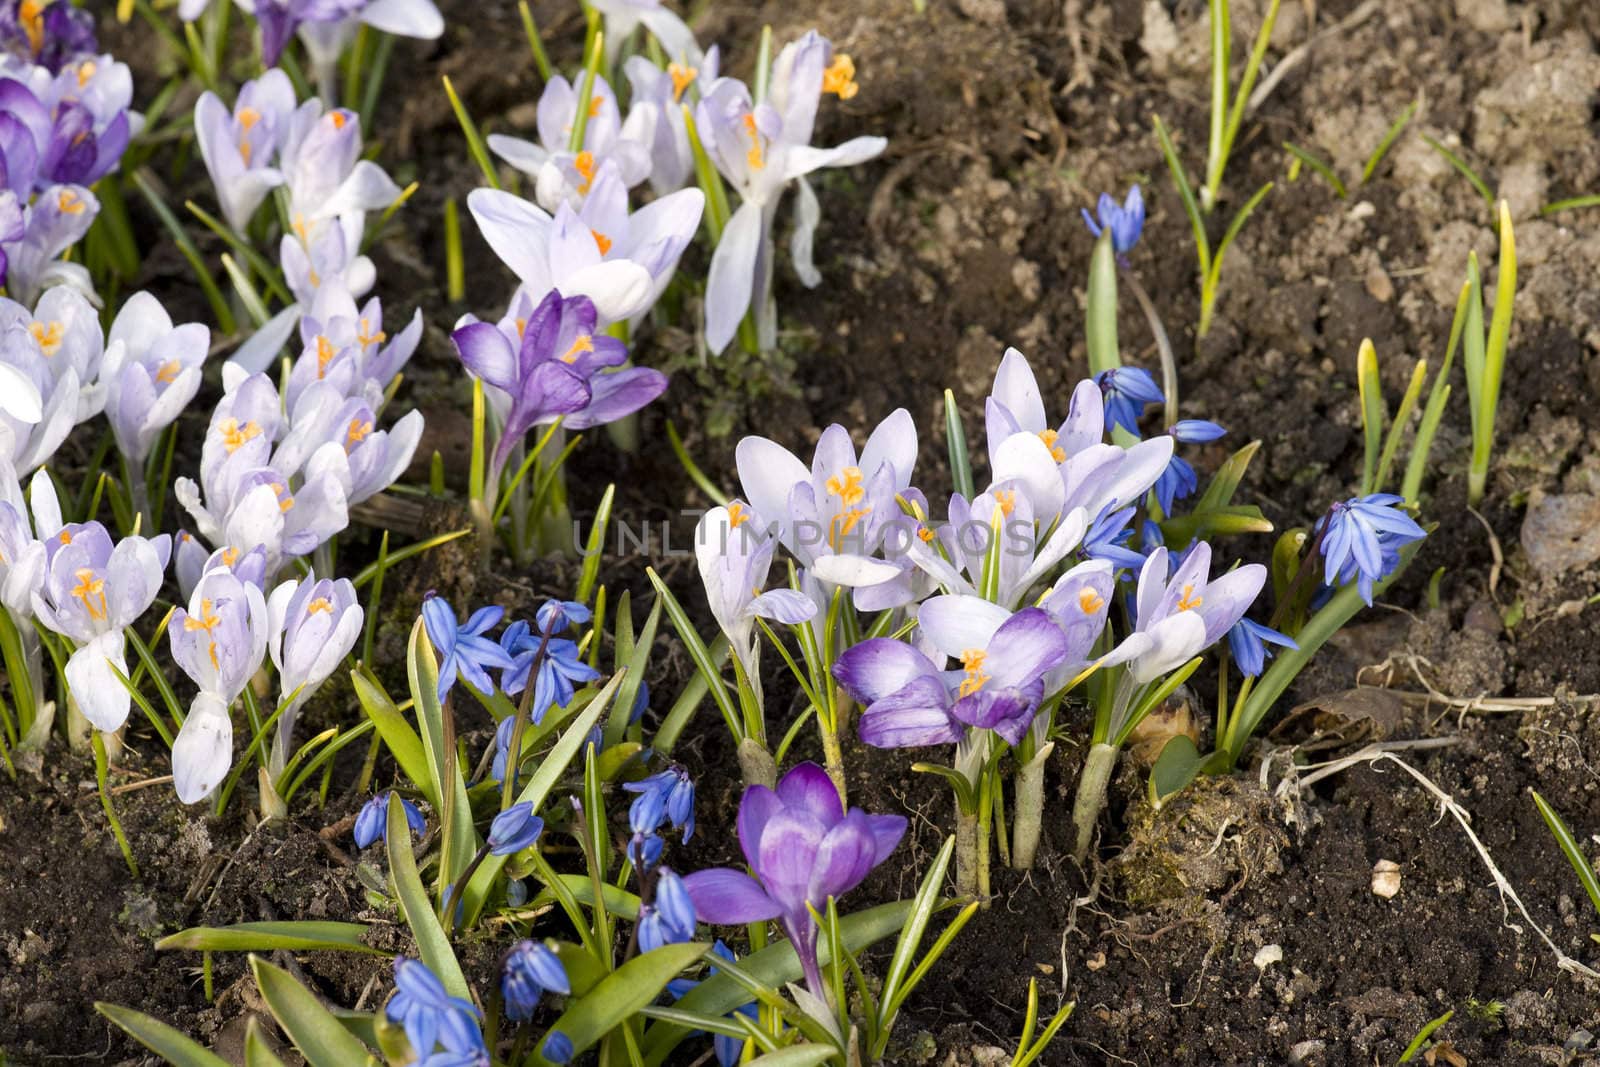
point(64, 124)
point(1013, 597)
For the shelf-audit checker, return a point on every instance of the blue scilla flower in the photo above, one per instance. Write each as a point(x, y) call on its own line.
point(1179, 481)
point(374, 816)
point(644, 850)
point(1361, 540)
point(560, 669)
point(669, 919)
point(557, 616)
point(463, 650)
point(1124, 220)
point(1107, 539)
point(529, 972)
point(557, 1047)
point(421, 1005)
point(462, 1043)
point(514, 829)
point(667, 796)
point(1248, 641)
point(1126, 391)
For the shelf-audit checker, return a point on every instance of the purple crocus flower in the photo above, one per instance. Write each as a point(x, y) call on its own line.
point(585, 251)
point(1124, 220)
point(152, 371)
point(564, 176)
point(911, 701)
point(1361, 540)
point(93, 590)
point(761, 149)
point(240, 147)
point(46, 33)
point(464, 651)
point(1181, 616)
point(373, 818)
point(561, 370)
point(59, 140)
point(219, 642)
point(804, 848)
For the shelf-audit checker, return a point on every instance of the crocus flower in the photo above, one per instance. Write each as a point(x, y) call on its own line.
point(666, 796)
point(1361, 540)
point(760, 150)
point(561, 370)
point(586, 251)
point(219, 642)
point(373, 819)
point(734, 555)
point(152, 371)
point(624, 16)
point(63, 331)
point(1248, 641)
point(1124, 220)
point(44, 32)
point(1078, 603)
point(833, 515)
point(240, 147)
point(92, 591)
point(804, 848)
point(49, 141)
point(560, 668)
point(364, 460)
point(325, 257)
point(669, 919)
point(565, 176)
point(24, 529)
point(326, 27)
point(1181, 616)
point(421, 1005)
point(529, 972)
point(324, 171)
point(1127, 390)
point(911, 701)
point(55, 221)
point(314, 625)
point(514, 829)
point(335, 334)
point(658, 101)
point(463, 651)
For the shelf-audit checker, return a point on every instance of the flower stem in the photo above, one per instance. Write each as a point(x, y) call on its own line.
point(105, 802)
point(756, 764)
point(966, 852)
point(986, 787)
point(1029, 819)
point(833, 762)
point(458, 887)
point(1091, 798)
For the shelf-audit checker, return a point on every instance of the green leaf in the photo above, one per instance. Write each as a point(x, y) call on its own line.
point(256, 1051)
point(311, 1027)
point(1505, 292)
point(923, 906)
point(955, 433)
point(268, 936)
point(1370, 387)
point(635, 659)
point(539, 785)
point(1327, 172)
point(619, 902)
point(1388, 141)
point(160, 1038)
point(689, 700)
point(432, 943)
point(1178, 765)
point(458, 838)
point(774, 967)
point(621, 994)
point(698, 652)
point(1402, 416)
point(1422, 1035)
point(1102, 311)
point(1569, 847)
point(796, 1056)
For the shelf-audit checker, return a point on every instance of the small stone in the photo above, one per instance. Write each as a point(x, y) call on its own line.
point(1307, 1053)
point(1378, 284)
point(1095, 962)
point(1561, 532)
point(1386, 878)
point(1267, 955)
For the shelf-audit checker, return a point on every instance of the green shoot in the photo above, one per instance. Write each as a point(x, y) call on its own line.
point(1316, 164)
point(1388, 141)
point(1225, 119)
point(1484, 375)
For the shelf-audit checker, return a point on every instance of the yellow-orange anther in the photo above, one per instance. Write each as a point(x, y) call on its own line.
point(840, 77)
point(972, 663)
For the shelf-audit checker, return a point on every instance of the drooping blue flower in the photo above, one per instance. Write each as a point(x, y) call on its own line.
point(1126, 391)
point(1248, 641)
point(1196, 431)
point(514, 829)
point(374, 816)
point(1108, 538)
point(1124, 220)
point(644, 850)
point(421, 1005)
point(530, 971)
point(669, 919)
point(560, 669)
point(461, 1041)
point(463, 650)
point(1177, 482)
point(1361, 540)
point(665, 796)
point(556, 616)
point(557, 1047)
point(728, 1049)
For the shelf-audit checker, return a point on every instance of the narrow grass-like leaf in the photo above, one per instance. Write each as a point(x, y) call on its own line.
point(1554, 206)
point(535, 42)
point(1191, 207)
point(955, 434)
point(310, 1027)
point(1402, 416)
point(595, 545)
point(1465, 171)
point(432, 942)
point(1328, 174)
point(398, 736)
point(1101, 317)
point(696, 475)
point(1389, 138)
point(1494, 362)
point(158, 1037)
point(699, 653)
point(1570, 848)
point(458, 839)
point(690, 697)
point(256, 1051)
point(923, 906)
point(370, 571)
point(1369, 385)
point(208, 285)
point(1422, 1035)
point(300, 936)
point(475, 145)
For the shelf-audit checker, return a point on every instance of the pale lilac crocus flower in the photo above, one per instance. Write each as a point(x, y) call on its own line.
point(327, 256)
point(43, 410)
point(589, 251)
point(378, 356)
point(23, 530)
point(190, 563)
point(562, 175)
point(240, 147)
point(92, 590)
point(324, 171)
point(658, 100)
point(622, 17)
point(313, 625)
point(761, 149)
point(804, 848)
point(151, 372)
point(1027, 549)
point(1181, 616)
point(55, 221)
point(219, 642)
point(63, 329)
point(364, 460)
point(734, 552)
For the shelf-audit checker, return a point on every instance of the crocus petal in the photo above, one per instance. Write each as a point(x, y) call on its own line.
point(853, 571)
point(767, 473)
point(404, 18)
point(879, 667)
point(756, 807)
point(518, 232)
point(203, 749)
point(801, 160)
point(1016, 388)
point(619, 288)
point(807, 213)
point(893, 441)
point(732, 277)
point(1229, 597)
point(1174, 640)
point(487, 353)
point(727, 897)
point(808, 787)
point(1025, 458)
point(19, 397)
point(845, 857)
point(957, 623)
point(1024, 647)
point(916, 716)
point(789, 606)
point(100, 694)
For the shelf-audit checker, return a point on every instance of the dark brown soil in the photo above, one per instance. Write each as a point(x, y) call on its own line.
point(1004, 119)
